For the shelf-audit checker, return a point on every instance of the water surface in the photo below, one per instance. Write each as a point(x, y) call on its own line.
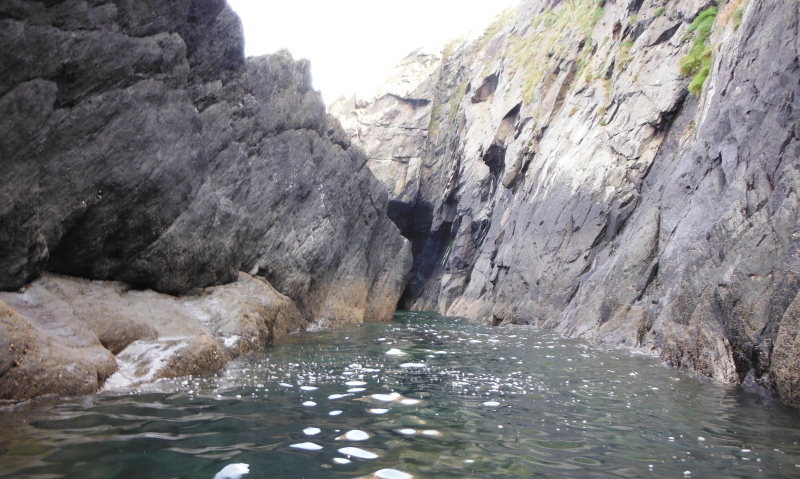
point(425, 396)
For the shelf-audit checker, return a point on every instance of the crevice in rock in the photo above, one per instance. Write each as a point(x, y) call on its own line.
point(495, 158)
point(430, 251)
point(414, 102)
point(487, 89)
point(666, 35)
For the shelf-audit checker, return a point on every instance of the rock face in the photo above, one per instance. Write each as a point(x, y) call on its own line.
point(570, 181)
point(138, 144)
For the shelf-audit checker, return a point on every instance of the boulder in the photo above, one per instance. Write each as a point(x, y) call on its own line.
point(64, 335)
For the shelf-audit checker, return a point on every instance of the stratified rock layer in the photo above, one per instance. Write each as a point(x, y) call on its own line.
point(571, 182)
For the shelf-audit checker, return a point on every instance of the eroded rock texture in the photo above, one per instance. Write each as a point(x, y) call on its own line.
point(138, 144)
point(571, 182)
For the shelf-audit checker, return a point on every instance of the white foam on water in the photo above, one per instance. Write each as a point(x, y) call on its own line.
point(307, 446)
point(392, 474)
point(334, 413)
point(410, 402)
point(412, 365)
point(356, 452)
point(491, 403)
point(233, 471)
point(377, 411)
point(308, 388)
point(312, 431)
point(286, 385)
point(338, 396)
point(395, 352)
point(356, 390)
point(309, 404)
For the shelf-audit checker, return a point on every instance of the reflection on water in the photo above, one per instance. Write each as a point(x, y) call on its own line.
point(233, 471)
point(424, 396)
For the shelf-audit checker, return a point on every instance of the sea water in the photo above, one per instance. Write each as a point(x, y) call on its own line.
point(424, 396)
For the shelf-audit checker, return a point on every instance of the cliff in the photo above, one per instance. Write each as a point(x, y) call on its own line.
point(139, 146)
point(561, 173)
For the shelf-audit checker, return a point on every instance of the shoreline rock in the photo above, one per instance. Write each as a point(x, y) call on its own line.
point(70, 336)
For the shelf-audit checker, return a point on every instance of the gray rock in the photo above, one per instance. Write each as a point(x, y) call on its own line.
point(138, 144)
point(570, 182)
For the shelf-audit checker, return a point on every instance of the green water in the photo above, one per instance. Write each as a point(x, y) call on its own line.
point(471, 401)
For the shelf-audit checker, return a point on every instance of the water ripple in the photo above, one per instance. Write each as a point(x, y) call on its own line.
point(462, 399)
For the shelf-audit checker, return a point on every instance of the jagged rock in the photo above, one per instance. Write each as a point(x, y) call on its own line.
point(138, 144)
point(571, 182)
point(391, 124)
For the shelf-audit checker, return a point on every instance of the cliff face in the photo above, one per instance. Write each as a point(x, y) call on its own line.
point(139, 145)
point(568, 179)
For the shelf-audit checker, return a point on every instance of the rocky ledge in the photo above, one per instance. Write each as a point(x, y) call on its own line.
point(68, 336)
point(561, 174)
point(138, 145)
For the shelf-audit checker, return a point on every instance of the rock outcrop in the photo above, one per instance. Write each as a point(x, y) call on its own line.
point(569, 180)
point(61, 334)
point(139, 145)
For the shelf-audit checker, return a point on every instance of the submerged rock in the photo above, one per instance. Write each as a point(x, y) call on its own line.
point(568, 180)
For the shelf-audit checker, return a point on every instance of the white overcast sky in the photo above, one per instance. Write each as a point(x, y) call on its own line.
point(352, 43)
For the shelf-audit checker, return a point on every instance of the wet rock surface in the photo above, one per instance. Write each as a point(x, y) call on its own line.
point(571, 182)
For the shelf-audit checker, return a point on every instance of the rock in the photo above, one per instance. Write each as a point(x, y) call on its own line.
point(153, 335)
point(49, 355)
point(139, 145)
point(569, 181)
point(392, 125)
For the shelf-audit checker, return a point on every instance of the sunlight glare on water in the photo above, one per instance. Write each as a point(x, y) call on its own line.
point(423, 396)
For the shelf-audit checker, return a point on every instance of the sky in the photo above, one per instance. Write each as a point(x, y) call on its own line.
point(352, 43)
